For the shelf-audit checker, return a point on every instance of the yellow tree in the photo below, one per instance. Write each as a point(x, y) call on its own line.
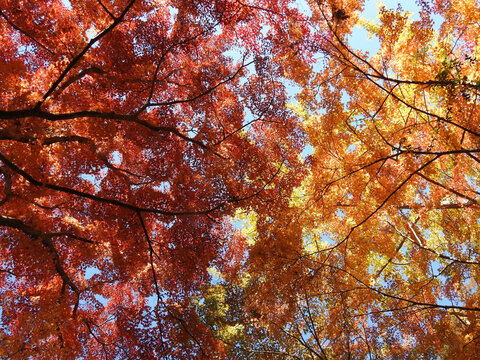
point(379, 255)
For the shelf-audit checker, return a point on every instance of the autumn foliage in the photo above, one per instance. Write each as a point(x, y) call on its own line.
point(163, 197)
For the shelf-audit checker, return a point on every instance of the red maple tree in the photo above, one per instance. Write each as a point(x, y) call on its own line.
point(131, 131)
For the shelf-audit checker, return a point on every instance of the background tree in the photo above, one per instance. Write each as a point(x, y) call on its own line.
point(387, 254)
point(130, 133)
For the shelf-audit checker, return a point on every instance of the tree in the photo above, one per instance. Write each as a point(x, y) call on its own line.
point(131, 131)
point(387, 259)
point(155, 203)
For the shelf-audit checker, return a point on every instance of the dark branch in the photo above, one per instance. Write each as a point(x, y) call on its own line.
point(25, 33)
point(79, 56)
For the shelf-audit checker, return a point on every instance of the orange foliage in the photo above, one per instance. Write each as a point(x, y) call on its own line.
point(137, 135)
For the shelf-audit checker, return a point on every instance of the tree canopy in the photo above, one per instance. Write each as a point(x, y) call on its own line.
point(164, 196)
